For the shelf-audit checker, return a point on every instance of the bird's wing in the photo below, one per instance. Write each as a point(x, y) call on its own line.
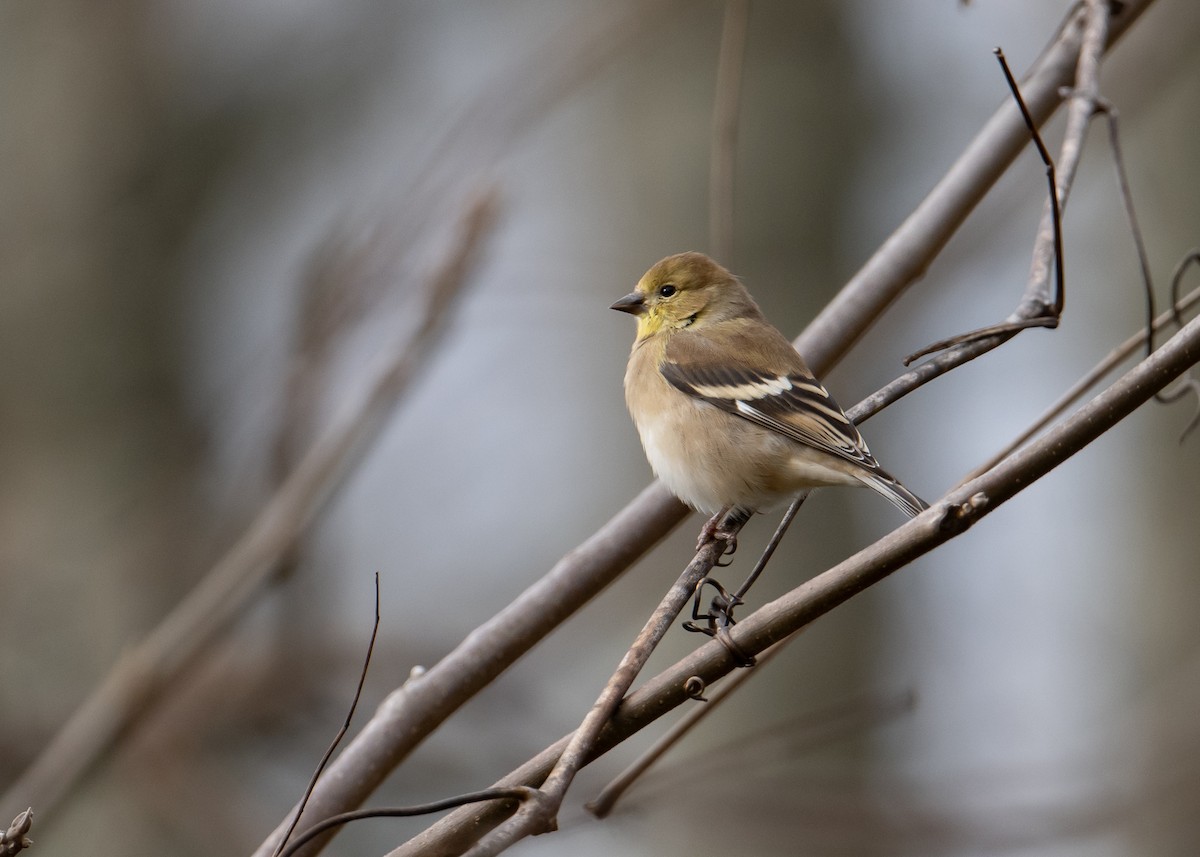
point(768, 387)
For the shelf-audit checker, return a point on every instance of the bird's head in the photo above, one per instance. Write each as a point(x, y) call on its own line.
point(684, 290)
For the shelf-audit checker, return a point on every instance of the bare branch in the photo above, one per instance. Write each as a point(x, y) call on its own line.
point(1077, 390)
point(16, 838)
point(725, 125)
point(1080, 108)
point(540, 816)
point(603, 803)
point(146, 669)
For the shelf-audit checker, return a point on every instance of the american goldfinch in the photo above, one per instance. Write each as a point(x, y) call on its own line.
point(728, 413)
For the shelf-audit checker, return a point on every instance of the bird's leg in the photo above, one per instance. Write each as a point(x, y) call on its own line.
point(709, 531)
point(724, 527)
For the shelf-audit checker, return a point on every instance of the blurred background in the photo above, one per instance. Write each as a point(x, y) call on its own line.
point(193, 192)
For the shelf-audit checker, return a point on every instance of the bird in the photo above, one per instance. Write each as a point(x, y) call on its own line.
point(729, 415)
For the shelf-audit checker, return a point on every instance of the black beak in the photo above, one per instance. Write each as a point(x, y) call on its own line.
point(632, 303)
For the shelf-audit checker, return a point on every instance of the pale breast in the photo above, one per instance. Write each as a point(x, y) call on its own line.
point(711, 459)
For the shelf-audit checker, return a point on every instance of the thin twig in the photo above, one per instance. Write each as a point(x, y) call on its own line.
point(539, 816)
point(811, 729)
point(604, 802)
point(16, 838)
point(1080, 108)
point(1109, 112)
point(906, 254)
point(513, 795)
point(1077, 390)
point(773, 544)
point(1033, 312)
point(722, 158)
point(150, 666)
point(341, 733)
point(1188, 384)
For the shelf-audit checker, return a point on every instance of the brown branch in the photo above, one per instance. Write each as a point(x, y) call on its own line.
point(722, 159)
point(1081, 107)
point(1036, 308)
point(16, 838)
point(602, 805)
point(1077, 390)
point(150, 666)
point(539, 816)
point(774, 622)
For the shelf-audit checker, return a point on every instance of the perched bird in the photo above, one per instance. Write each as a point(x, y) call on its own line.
point(729, 415)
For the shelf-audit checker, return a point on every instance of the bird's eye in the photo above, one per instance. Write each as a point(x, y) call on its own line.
point(667, 290)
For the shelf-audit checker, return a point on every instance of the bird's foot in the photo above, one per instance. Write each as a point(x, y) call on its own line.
point(712, 532)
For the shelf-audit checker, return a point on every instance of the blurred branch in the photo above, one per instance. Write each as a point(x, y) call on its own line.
point(812, 730)
point(148, 668)
point(602, 805)
point(414, 710)
point(726, 106)
point(16, 837)
point(951, 516)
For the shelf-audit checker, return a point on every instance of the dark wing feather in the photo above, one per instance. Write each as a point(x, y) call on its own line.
point(795, 405)
point(771, 387)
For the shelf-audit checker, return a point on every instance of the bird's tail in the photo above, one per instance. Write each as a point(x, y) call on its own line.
point(899, 496)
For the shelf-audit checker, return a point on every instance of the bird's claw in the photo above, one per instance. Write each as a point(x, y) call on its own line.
point(712, 532)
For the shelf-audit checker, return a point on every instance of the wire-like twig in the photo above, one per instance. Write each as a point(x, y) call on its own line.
point(341, 733)
point(960, 509)
point(516, 794)
point(149, 667)
point(1043, 314)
